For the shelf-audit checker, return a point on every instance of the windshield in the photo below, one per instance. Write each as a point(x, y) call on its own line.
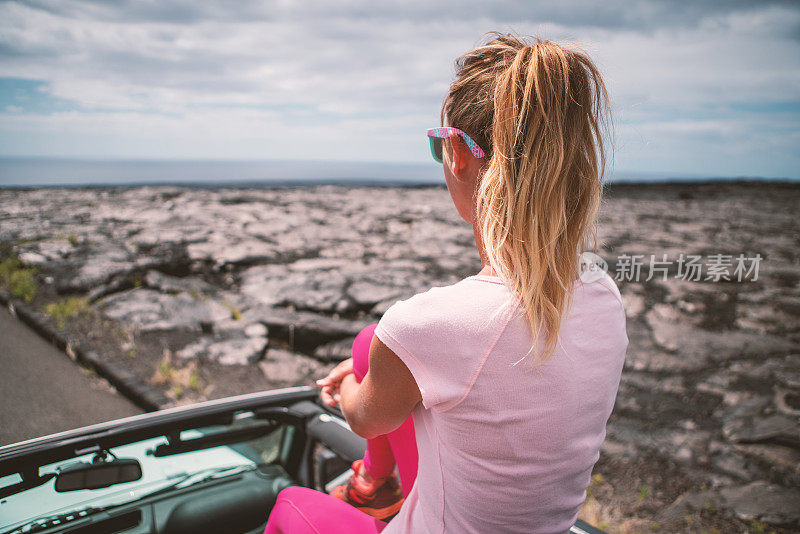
point(158, 474)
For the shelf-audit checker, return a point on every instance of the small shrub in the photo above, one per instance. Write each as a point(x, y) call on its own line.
point(21, 280)
point(8, 266)
point(596, 480)
point(643, 491)
point(236, 315)
point(22, 284)
point(73, 239)
point(165, 368)
point(178, 380)
point(67, 309)
point(194, 381)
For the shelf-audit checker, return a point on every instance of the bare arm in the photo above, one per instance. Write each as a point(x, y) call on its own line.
point(384, 399)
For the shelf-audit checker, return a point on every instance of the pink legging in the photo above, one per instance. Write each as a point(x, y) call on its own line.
point(300, 510)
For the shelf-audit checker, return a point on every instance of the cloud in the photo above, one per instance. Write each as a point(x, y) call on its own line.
point(351, 80)
point(639, 15)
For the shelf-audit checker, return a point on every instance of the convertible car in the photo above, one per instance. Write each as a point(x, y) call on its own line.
point(215, 466)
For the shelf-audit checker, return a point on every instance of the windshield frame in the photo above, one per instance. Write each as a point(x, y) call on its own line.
point(31, 461)
point(27, 456)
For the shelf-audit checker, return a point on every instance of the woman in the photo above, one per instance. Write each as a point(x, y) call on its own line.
point(509, 375)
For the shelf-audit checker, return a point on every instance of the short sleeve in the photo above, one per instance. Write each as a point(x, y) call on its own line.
point(398, 328)
point(443, 337)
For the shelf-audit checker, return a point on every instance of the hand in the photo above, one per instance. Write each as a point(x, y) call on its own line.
point(331, 384)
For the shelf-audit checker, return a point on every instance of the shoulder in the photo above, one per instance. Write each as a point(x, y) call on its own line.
point(602, 307)
point(427, 303)
point(407, 319)
point(605, 286)
point(440, 334)
point(443, 304)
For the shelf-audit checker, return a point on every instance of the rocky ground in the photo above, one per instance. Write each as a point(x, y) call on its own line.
point(205, 293)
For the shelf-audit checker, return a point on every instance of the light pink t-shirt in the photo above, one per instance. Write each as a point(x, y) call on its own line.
point(503, 448)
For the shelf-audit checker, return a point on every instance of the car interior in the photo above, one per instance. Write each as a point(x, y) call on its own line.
point(263, 447)
point(216, 466)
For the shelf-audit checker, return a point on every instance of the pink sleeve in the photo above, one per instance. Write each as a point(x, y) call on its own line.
point(438, 345)
point(408, 331)
point(389, 329)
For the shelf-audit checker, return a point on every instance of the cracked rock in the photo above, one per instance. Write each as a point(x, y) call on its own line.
point(148, 310)
point(287, 368)
point(335, 350)
point(779, 428)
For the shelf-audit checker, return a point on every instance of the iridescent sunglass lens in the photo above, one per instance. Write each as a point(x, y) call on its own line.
point(436, 148)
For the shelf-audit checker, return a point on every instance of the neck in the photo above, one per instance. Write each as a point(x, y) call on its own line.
point(486, 268)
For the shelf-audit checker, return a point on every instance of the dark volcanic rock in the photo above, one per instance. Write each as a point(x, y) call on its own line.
point(223, 249)
point(366, 293)
point(195, 287)
point(230, 343)
point(95, 270)
point(754, 429)
point(284, 279)
point(286, 368)
point(115, 285)
point(756, 501)
point(675, 335)
point(765, 502)
point(274, 285)
point(335, 350)
point(736, 466)
point(305, 331)
point(782, 462)
point(145, 310)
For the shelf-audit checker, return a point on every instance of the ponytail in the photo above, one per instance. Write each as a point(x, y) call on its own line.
point(543, 111)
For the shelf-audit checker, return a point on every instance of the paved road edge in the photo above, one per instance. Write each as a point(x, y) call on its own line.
point(140, 393)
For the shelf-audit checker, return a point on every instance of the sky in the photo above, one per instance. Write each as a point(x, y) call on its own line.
point(697, 88)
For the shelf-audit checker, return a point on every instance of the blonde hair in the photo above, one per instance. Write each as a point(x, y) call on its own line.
point(538, 110)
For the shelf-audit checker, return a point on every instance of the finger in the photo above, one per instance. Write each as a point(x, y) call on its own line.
point(336, 375)
point(345, 366)
point(329, 383)
point(328, 377)
point(333, 402)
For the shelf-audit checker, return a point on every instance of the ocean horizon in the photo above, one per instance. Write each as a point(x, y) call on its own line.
point(26, 172)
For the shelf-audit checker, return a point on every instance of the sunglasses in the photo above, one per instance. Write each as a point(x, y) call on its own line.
point(435, 136)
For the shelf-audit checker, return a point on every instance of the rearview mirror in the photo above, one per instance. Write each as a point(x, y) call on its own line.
point(101, 475)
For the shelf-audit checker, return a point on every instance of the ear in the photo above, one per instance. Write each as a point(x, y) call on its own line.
point(461, 159)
